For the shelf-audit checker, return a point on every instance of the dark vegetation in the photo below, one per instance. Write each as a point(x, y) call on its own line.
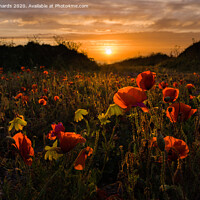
point(35, 55)
point(66, 55)
point(150, 60)
point(188, 60)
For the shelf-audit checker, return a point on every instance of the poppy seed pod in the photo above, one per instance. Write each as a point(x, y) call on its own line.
point(166, 99)
point(170, 110)
point(160, 142)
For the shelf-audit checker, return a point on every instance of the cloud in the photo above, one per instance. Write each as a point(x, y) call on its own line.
point(114, 16)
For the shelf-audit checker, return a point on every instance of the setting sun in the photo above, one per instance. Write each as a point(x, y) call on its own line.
point(108, 51)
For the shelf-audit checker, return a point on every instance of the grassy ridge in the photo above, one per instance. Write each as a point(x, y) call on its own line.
point(66, 56)
point(33, 54)
point(188, 60)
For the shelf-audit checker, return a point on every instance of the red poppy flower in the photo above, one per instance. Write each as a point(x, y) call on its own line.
point(80, 161)
point(57, 128)
point(41, 67)
point(163, 85)
point(176, 148)
point(146, 80)
point(25, 99)
point(46, 72)
point(42, 102)
point(23, 89)
point(28, 70)
point(175, 84)
point(153, 142)
point(78, 76)
point(34, 90)
point(44, 97)
point(179, 111)
point(65, 78)
point(45, 90)
point(132, 80)
point(23, 143)
point(56, 98)
point(189, 86)
point(71, 83)
point(68, 140)
point(18, 96)
point(170, 94)
point(23, 68)
point(51, 135)
point(129, 96)
point(34, 86)
point(192, 97)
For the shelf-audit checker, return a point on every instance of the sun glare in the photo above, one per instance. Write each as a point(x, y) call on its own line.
point(108, 51)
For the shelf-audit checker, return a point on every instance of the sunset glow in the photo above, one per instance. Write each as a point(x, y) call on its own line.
point(108, 51)
point(128, 28)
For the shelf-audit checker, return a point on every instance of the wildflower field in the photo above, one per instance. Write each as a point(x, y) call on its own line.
point(99, 135)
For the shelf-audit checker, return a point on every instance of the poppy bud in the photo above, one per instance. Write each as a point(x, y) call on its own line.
point(10, 139)
point(160, 142)
point(166, 99)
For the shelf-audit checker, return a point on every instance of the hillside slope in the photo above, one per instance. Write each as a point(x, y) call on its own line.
point(188, 60)
point(35, 55)
point(152, 59)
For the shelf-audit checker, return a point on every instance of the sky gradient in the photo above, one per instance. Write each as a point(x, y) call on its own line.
point(129, 27)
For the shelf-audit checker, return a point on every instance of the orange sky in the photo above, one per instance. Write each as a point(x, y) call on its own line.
point(129, 28)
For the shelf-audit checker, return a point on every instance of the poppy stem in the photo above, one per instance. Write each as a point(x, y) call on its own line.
point(109, 146)
point(163, 171)
point(93, 153)
point(47, 183)
point(88, 127)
